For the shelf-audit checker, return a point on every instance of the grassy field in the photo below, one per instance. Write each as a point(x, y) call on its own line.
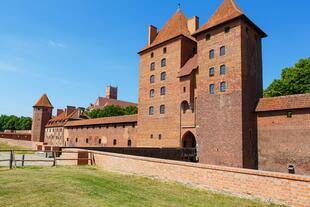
point(91, 187)
point(4, 146)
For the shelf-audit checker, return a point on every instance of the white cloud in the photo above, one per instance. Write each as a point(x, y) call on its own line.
point(56, 44)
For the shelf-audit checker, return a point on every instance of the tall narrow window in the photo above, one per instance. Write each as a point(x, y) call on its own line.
point(152, 55)
point(211, 54)
point(152, 93)
point(211, 88)
point(86, 140)
point(164, 50)
point(222, 69)
point(163, 90)
point(222, 51)
point(163, 62)
point(99, 141)
point(151, 110)
point(223, 86)
point(162, 109)
point(76, 139)
point(211, 71)
point(152, 66)
point(129, 143)
point(114, 142)
point(152, 78)
point(163, 76)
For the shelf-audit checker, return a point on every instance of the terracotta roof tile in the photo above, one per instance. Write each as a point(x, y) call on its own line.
point(102, 102)
point(177, 25)
point(63, 118)
point(283, 103)
point(105, 120)
point(43, 102)
point(189, 66)
point(227, 11)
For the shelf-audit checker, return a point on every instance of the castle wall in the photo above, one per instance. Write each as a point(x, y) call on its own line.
point(101, 135)
point(284, 141)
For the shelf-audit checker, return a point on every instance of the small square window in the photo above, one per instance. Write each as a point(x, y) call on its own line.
point(289, 114)
point(208, 37)
point(222, 69)
point(222, 51)
point(164, 50)
point(223, 86)
point(211, 54)
point(227, 29)
point(211, 71)
point(211, 88)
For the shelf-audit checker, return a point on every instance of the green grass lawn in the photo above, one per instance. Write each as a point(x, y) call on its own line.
point(92, 187)
point(4, 146)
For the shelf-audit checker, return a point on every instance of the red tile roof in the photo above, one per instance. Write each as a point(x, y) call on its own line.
point(189, 66)
point(227, 11)
point(63, 118)
point(176, 26)
point(284, 103)
point(104, 120)
point(102, 102)
point(43, 102)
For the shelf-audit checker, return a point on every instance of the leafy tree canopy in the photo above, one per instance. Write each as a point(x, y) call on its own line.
point(14, 123)
point(112, 111)
point(294, 80)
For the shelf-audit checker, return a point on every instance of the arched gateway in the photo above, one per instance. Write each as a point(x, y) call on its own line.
point(188, 140)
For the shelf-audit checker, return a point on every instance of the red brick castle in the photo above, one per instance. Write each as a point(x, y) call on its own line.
point(201, 87)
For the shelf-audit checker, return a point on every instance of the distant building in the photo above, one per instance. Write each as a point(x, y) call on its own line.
point(110, 99)
point(54, 129)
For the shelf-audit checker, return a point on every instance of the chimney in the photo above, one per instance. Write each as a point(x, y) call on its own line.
point(152, 34)
point(193, 24)
point(69, 110)
point(59, 111)
point(80, 111)
point(111, 92)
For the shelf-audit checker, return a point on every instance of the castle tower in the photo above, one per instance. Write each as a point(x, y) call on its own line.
point(229, 86)
point(42, 113)
point(159, 123)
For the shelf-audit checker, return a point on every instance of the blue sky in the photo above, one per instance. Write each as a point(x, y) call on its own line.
point(71, 49)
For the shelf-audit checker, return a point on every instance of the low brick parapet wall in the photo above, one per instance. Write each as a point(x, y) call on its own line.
point(16, 136)
point(293, 190)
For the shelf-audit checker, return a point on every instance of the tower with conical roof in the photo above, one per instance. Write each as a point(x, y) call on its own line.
point(229, 86)
point(42, 113)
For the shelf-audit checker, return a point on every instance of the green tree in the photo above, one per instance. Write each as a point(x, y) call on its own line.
point(294, 80)
point(112, 110)
point(14, 123)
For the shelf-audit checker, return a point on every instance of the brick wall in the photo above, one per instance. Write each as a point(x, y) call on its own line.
point(101, 135)
point(276, 187)
point(16, 136)
point(284, 141)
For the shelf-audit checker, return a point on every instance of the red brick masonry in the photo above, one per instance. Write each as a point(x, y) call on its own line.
point(280, 188)
point(26, 137)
